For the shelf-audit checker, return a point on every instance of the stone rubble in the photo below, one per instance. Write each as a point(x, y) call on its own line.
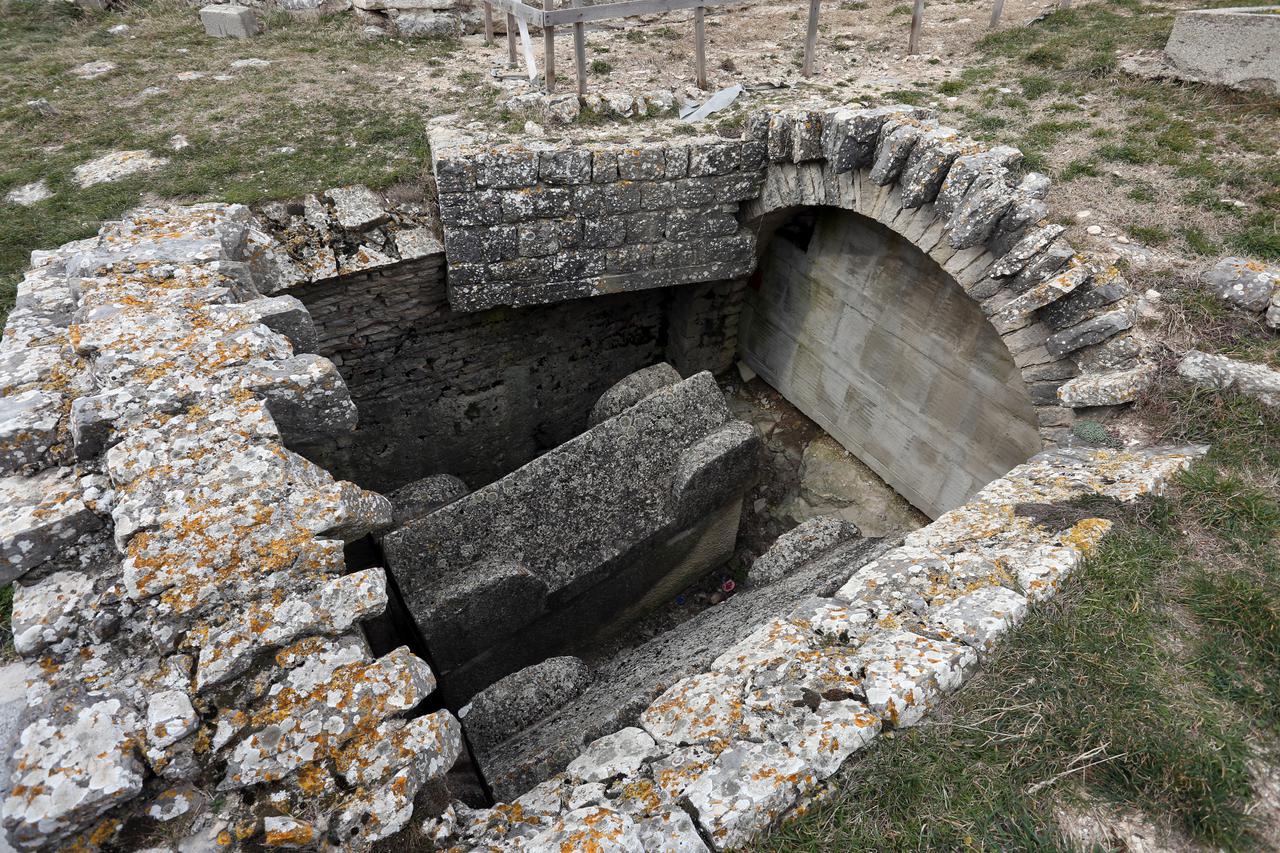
point(181, 586)
point(1219, 373)
point(723, 755)
point(341, 231)
point(1249, 285)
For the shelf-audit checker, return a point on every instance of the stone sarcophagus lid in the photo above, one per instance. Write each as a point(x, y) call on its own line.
point(583, 539)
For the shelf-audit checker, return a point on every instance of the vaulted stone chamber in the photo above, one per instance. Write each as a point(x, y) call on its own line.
point(551, 376)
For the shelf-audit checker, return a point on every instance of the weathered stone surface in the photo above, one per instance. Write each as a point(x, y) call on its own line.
point(1088, 332)
point(357, 208)
point(800, 545)
point(979, 618)
point(619, 754)
point(295, 726)
point(47, 611)
point(118, 164)
point(75, 761)
point(1107, 389)
point(229, 20)
point(497, 571)
point(29, 194)
point(1244, 283)
point(518, 700)
point(631, 390)
point(424, 496)
point(907, 674)
point(1219, 373)
point(332, 609)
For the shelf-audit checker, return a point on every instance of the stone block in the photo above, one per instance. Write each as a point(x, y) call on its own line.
point(230, 21)
point(1233, 47)
point(589, 534)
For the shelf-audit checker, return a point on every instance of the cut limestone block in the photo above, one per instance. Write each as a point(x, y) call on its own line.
point(230, 21)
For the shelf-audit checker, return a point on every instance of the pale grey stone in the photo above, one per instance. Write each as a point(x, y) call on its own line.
point(94, 69)
point(117, 164)
point(29, 423)
point(979, 618)
point(229, 20)
point(1220, 373)
point(1244, 283)
point(75, 761)
point(907, 674)
point(1107, 389)
point(49, 610)
point(619, 754)
point(357, 208)
point(29, 194)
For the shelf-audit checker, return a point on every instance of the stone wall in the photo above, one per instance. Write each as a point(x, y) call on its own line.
point(527, 224)
point(868, 336)
point(195, 665)
point(479, 394)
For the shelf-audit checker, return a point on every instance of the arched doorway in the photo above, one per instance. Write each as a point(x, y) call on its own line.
point(872, 339)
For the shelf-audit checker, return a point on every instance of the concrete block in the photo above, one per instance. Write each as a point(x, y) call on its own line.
point(230, 21)
point(1232, 47)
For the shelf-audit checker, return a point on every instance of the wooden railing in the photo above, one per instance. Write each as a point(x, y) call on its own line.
point(520, 16)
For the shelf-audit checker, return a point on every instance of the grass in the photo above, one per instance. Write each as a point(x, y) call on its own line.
point(7, 651)
point(261, 135)
point(1207, 143)
point(1147, 685)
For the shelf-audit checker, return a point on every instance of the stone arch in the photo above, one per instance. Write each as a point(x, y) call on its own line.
point(988, 275)
point(964, 207)
point(878, 344)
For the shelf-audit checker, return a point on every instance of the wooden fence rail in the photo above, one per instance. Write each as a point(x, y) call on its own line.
point(521, 16)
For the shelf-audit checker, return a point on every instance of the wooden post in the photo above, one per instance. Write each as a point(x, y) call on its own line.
point(700, 45)
point(549, 50)
point(580, 52)
point(996, 10)
point(511, 40)
point(917, 21)
point(488, 22)
point(811, 38)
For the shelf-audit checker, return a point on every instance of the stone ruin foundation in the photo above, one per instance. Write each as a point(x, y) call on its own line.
point(356, 523)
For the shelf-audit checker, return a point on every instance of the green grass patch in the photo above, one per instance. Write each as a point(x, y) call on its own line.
point(1152, 235)
point(1079, 169)
point(1085, 691)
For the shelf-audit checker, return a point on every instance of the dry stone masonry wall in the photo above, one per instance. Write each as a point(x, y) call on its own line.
point(539, 222)
point(196, 670)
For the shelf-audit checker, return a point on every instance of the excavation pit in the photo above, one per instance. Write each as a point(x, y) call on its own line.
point(614, 500)
point(209, 600)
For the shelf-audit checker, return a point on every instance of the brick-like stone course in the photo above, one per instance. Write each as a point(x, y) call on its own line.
point(527, 225)
point(477, 394)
